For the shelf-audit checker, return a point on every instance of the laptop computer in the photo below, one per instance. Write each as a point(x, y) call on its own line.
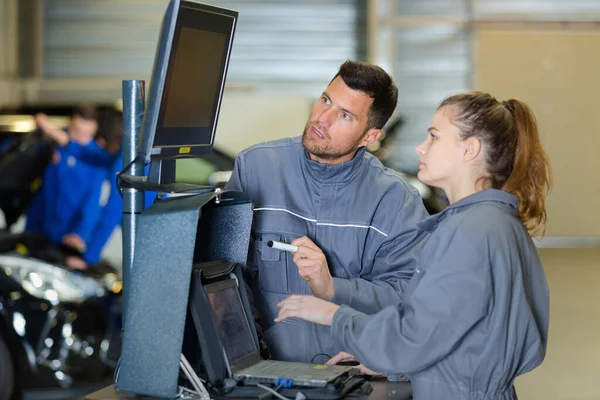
point(243, 354)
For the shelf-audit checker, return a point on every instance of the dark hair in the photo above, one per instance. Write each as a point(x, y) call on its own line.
point(86, 111)
point(514, 157)
point(375, 82)
point(110, 129)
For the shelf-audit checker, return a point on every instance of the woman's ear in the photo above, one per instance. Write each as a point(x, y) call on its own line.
point(472, 148)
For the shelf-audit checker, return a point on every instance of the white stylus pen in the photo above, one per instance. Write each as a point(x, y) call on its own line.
point(282, 246)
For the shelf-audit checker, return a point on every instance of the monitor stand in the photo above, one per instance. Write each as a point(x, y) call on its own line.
point(161, 178)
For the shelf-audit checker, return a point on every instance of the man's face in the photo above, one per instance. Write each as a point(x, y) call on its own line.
point(337, 125)
point(83, 130)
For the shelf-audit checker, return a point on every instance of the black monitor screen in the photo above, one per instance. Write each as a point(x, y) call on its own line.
point(194, 81)
point(231, 322)
point(194, 86)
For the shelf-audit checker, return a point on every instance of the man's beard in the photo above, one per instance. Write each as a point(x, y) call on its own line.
point(324, 150)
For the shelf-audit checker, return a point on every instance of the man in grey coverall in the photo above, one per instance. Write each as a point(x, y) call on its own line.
point(353, 219)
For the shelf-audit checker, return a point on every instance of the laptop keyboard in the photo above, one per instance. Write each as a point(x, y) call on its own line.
point(277, 368)
point(300, 374)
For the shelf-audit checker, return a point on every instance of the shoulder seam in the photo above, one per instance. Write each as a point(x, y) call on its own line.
point(383, 169)
point(271, 145)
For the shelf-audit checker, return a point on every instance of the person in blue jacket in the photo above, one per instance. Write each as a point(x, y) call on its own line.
point(67, 206)
point(105, 154)
point(475, 314)
point(109, 157)
point(324, 192)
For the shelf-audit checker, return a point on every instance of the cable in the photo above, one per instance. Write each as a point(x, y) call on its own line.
point(193, 378)
point(273, 391)
point(312, 360)
point(185, 393)
point(117, 370)
point(125, 168)
point(117, 184)
point(118, 177)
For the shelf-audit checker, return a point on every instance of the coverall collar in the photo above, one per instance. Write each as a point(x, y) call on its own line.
point(328, 174)
point(485, 196)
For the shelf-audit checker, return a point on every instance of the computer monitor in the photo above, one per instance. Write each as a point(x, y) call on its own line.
point(188, 79)
point(232, 324)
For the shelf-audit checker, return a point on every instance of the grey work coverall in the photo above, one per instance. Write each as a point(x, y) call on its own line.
point(361, 214)
point(474, 316)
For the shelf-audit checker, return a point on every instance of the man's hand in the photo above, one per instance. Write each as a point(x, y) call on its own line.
point(313, 268)
point(74, 241)
point(308, 308)
point(55, 157)
point(58, 135)
point(344, 357)
point(41, 120)
point(75, 262)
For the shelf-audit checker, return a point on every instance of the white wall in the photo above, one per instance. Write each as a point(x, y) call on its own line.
point(556, 72)
point(247, 119)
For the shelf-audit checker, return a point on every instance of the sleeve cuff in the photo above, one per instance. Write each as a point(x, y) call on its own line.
point(342, 291)
point(339, 322)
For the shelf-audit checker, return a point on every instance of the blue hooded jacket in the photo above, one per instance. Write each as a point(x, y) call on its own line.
point(68, 200)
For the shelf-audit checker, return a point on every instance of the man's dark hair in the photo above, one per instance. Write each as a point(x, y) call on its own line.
point(377, 84)
point(86, 111)
point(110, 129)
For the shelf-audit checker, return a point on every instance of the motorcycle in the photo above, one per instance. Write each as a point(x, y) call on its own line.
point(57, 326)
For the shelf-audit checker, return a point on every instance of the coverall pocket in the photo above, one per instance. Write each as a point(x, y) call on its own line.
point(272, 265)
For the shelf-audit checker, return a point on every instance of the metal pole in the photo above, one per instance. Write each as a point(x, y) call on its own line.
point(133, 199)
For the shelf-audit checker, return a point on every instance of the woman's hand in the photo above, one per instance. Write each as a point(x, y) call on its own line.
point(308, 308)
point(345, 357)
point(341, 357)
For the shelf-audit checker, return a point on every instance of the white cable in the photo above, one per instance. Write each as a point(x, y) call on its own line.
point(189, 394)
point(191, 371)
point(193, 378)
point(268, 389)
point(229, 373)
point(184, 389)
point(188, 376)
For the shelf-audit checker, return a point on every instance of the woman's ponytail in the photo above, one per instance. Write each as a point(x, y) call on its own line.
point(530, 178)
point(514, 158)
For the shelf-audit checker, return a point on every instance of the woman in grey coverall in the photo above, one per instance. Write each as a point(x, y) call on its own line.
point(475, 314)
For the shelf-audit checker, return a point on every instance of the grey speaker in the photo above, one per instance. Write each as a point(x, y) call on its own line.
point(171, 236)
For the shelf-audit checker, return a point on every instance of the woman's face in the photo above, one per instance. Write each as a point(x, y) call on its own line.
point(441, 155)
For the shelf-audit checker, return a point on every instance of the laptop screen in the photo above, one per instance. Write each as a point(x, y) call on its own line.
point(231, 321)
